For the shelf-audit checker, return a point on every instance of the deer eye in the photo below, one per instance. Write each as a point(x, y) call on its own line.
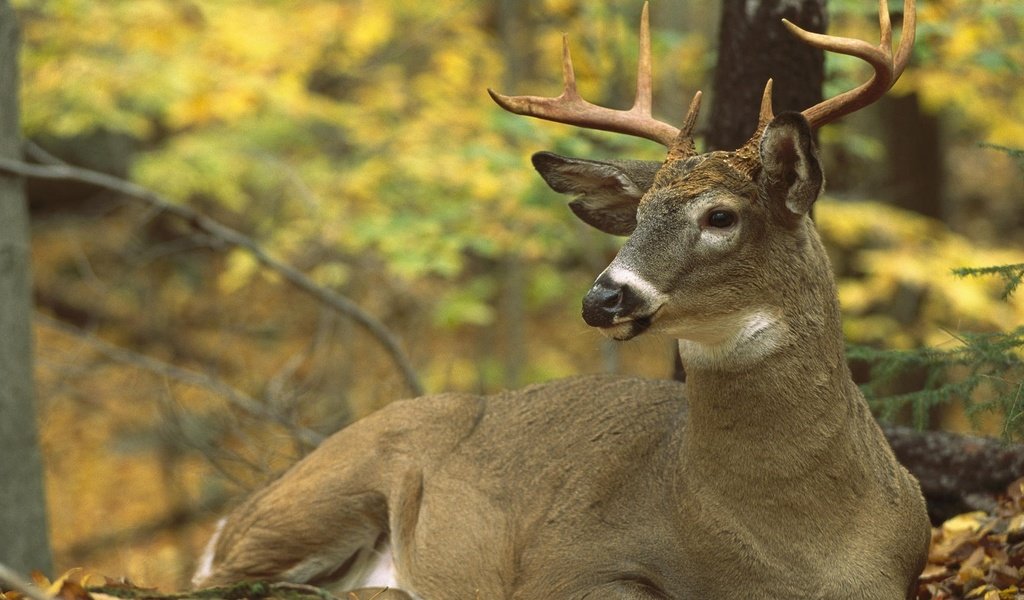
point(721, 218)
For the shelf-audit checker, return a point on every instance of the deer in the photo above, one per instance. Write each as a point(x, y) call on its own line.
point(763, 476)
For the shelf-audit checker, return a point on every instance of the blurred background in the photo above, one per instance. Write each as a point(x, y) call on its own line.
point(355, 141)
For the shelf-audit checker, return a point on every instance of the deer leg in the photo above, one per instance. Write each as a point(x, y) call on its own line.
point(324, 522)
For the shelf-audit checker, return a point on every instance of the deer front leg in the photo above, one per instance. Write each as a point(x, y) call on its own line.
point(324, 522)
point(333, 538)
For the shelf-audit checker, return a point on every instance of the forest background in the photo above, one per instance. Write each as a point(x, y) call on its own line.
point(354, 140)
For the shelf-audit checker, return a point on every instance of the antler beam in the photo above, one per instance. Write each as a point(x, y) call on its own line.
point(888, 68)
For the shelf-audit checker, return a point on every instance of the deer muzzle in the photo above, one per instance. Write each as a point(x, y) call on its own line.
point(613, 303)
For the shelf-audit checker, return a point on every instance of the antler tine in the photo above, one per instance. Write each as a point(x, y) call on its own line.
point(690, 123)
point(644, 85)
point(683, 146)
point(766, 114)
point(884, 25)
point(571, 109)
point(907, 38)
point(880, 57)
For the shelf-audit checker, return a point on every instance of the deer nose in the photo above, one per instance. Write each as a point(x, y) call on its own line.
point(608, 301)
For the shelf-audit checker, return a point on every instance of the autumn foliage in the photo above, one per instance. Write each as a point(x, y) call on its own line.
point(354, 140)
point(979, 555)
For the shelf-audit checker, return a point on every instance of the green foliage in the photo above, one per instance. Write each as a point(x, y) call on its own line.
point(363, 127)
point(893, 277)
point(359, 127)
point(1016, 155)
point(1011, 274)
point(968, 59)
point(983, 372)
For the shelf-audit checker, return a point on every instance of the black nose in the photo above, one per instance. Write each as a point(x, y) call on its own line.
point(608, 300)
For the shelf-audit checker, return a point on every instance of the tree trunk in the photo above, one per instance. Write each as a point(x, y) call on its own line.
point(958, 473)
point(754, 46)
point(25, 544)
point(517, 33)
point(915, 177)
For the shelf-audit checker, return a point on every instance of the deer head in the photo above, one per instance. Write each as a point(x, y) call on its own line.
point(724, 223)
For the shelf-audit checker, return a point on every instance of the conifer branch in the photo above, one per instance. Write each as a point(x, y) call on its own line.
point(1011, 274)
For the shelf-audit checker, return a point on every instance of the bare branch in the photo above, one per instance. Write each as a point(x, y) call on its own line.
point(337, 302)
point(235, 397)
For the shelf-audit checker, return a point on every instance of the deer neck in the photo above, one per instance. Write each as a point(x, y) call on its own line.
point(802, 393)
point(762, 413)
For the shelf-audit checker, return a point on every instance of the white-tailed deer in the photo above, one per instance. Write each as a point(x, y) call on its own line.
point(764, 476)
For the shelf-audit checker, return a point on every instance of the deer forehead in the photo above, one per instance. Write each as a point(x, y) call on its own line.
point(713, 173)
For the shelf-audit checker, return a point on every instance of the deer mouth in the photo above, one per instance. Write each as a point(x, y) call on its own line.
point(627, 329)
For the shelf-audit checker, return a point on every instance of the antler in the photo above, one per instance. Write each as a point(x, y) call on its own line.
point(887, 67)
point(570, 108)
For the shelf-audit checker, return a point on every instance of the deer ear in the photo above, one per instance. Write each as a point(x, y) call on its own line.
point(607, 191)
point(789, 162)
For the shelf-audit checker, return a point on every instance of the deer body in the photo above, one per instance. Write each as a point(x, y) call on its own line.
point(765, 469)
point(764, 476)
point(616, 504)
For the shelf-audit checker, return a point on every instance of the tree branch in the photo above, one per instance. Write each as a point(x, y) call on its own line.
point(178, 517)
point(235, 397)
point(344, 306)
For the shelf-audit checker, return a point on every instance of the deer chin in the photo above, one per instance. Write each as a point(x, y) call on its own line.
point(627, 329)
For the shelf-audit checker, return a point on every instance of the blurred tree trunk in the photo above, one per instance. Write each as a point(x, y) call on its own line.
point(754, 46)
point(517, 33)
point(912, 140)
point(25, 544)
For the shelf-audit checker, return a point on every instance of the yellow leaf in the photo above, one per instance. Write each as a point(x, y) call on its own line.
point(54, 588)
point(971, 521)
point(240, 268)
point(1016, 524)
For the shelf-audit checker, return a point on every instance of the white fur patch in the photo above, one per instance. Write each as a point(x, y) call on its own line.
point(205, 567)
point(375, 569)
point(651, 296)
point(381, 570)
point(732, 340)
